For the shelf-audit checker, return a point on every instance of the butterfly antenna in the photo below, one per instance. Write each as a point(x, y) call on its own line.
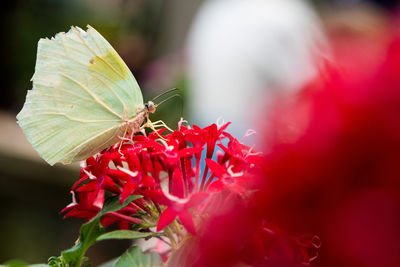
point(168, 98)
point(166, 92)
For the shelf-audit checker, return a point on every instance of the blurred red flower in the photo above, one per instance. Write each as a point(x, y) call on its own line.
point(338, 175)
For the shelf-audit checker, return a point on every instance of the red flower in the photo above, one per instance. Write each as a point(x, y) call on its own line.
point(168, 172)
point(177, 207)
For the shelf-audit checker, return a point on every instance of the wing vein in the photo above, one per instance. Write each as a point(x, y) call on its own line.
point(75, 31)
point(94, 40)
point(91, 72)
point(70, 117)
point(98, 100)
point(63, 100)
point(97, 55)
point(111, 89)
point(90, 139)
point(74, 48)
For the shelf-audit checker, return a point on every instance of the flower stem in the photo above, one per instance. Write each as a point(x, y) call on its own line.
point(171, 238)
point(209, 180)
point(204, 178)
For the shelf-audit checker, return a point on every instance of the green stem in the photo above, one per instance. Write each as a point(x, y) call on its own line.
point(171, 238)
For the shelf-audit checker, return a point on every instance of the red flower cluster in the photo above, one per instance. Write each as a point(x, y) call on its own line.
point(193, 180)
point(169, 173)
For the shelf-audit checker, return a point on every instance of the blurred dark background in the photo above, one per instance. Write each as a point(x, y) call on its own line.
point(150, 36)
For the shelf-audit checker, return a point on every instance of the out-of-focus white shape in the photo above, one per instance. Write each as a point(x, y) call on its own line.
point(242, 54)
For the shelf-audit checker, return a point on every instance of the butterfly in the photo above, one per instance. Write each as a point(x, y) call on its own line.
point(84, 98)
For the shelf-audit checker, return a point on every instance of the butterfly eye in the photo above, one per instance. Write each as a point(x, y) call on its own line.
point(150, 106)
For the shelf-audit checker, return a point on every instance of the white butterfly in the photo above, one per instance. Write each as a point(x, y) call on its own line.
point(84, 98)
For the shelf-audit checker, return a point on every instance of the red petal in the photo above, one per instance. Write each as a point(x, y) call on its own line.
point(99, 200)
point(196, 139)
point(190, 172)
point(90, 161)
point(217, 169)
point(92, 186)
point(153, 145)
point(186, 219)
point(166, 218)
point(223, 127)
point(225, 149)
point(133, 161)
point(85, 214)
point(115, 156)
point(127, 191)
point(196, 199)
point(69, 207)
point(211, 140)
point(157, 196)
point(188, 151)
point(139, 138)
point(109, 185)
point(118, 175)
point(147, 163)
point(108, 220)
point(197, 128)
point(157, 169)
point(154, 135)
point(216, 186)
point(177, 184)
point(102, 166)
point(124, 225)
point(148, 181)
point(182, 128)
point(83, 177)
point(229, 136)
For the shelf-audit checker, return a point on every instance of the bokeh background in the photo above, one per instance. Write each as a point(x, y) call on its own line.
point(233, 60)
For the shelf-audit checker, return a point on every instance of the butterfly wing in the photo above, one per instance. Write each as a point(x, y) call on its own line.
point(82, 94)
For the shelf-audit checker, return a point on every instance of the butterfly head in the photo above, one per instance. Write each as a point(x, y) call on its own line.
point(150, 106)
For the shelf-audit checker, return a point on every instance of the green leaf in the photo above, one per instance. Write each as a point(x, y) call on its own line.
point(125, 234)
point(91, 231)
point(134, 257)
point(112, 204)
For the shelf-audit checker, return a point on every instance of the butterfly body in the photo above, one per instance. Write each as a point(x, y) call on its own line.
point(134, 124)
point(84, 98)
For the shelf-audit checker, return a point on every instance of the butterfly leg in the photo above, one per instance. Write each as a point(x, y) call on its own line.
point(151, 125)
point(160, 123)
point(123, 138)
